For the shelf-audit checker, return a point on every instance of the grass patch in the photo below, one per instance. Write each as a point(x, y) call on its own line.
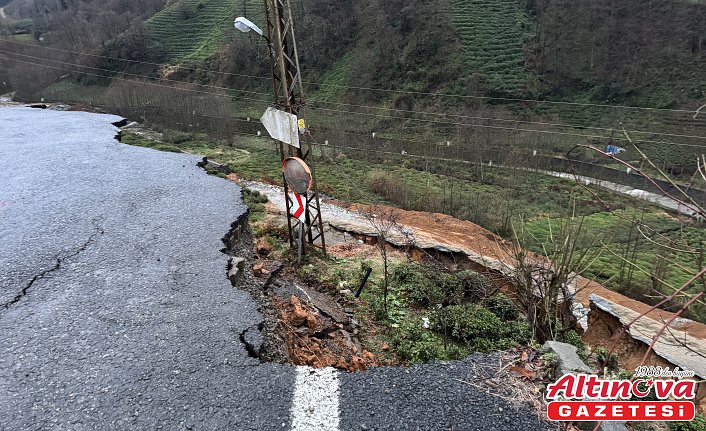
point(332, 83)
point(139, 141)
point(256, 204)
point(616, 238)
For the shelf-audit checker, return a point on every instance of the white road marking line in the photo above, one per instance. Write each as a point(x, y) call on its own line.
point(315, 406)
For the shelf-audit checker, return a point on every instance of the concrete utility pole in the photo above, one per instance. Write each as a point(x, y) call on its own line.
point(289, 97)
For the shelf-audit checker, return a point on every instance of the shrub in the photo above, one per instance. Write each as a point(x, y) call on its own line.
point(502, 306)
point(469, 322)
point(176, 137)
point(475, 286)
point(389, 186)
point(392, 312)
point(254, 196)
point(424, 286)
point(187, 10)
point(22, 26)
point(480, 328)
point(697, 424)
point(608, 361)
point(414, 343)
point(572, 337)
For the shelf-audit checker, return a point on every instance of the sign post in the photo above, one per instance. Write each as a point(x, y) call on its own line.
point(286, 119)
point(297, 176)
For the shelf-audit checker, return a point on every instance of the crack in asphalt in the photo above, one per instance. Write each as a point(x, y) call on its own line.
point(253, 347)
point(57, 265)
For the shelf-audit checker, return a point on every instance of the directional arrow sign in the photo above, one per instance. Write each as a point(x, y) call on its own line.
point(282, 126)
point(299, 207)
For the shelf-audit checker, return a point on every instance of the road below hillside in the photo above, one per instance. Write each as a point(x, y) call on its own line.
point(116, 313)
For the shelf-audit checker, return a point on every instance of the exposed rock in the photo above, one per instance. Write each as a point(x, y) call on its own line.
point(311, 321)
point(259, 270)
point(347, 339)
point(357, 364)
point(569, 361)
point(614, 426)
point(132, 125)
point(298, 315)
point(263, 247)
point(60, 107)
point(323, 303)
point(236, 266)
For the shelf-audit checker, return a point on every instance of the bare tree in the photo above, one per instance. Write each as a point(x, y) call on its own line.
point(384, 221)
point(668, 247)
point(546, 286)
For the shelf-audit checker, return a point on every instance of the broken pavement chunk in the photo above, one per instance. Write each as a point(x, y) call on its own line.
point(236, 266)
point(569, 361)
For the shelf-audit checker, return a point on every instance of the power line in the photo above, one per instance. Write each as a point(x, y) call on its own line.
point(328, 109)
point(133, 74)
point(509, 120)
point(396, 154)
point(517, 129)
point(355, 105)
point(195, 69)
point(133, 80)
point(422, 93)
point(412, 141)
point(348, 104)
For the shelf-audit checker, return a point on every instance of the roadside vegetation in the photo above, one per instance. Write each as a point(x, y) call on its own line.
point(504, 201)
point(431, 314)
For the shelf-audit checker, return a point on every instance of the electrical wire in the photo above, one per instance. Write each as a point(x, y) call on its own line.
point(422, 93)
point(517, 129)
point(195, 69)
point(133, 74)
point(133, 80)
point(510, 120)
point(386, 138)
point(559, 125)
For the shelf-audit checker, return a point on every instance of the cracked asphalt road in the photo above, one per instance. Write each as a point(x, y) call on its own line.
point(137, 326)
point(117, 314)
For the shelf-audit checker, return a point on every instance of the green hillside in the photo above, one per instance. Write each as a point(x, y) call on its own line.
point(192, 30)
point(492, 34)
point(604, 52)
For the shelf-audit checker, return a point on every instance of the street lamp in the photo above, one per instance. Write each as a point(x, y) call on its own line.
point(245, 25)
